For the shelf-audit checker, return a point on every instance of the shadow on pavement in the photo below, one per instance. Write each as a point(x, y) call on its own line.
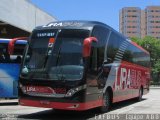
point(60, 115)
point(8, 103)
point(73, 115)
point(124, 103)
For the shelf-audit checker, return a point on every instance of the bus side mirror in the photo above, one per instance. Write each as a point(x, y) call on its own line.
point(87, 45)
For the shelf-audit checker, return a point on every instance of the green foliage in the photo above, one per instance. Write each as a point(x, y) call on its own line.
point(137, 40)
point(157, 67)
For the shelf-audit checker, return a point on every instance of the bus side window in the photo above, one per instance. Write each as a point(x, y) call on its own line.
point(15, 59)
point(102, 34)
point(4, 56)
point(18, 59)
point(96, 59)
point(113, 46)
point(93, 60)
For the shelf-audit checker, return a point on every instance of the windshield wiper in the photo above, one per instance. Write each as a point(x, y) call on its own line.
point(62, 75)
point(58, 56)
point(57, 65)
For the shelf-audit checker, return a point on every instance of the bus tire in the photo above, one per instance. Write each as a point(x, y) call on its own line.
point(57, 110)
point(139, 98)
point(106, 102)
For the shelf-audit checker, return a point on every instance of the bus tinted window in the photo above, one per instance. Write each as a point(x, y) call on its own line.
point(140, 57)
point(113, 46)
point(136, 56)
point(15, 58)
point(101, 34)
point(64, 59)
point(4, 56)
point(19, 49)
point(98, 49)
point(128, 54)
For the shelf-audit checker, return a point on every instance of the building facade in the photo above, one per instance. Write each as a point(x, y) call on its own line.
point(135, 22)
point(153, 21)
point(19, 17)
point(130, 20)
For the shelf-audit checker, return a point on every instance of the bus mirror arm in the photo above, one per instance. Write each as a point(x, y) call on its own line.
point(87, 45)
point(12, 42)
point(27, 58)
point(105, 62)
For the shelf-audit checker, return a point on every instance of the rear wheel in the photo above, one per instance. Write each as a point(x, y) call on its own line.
point(106, 102)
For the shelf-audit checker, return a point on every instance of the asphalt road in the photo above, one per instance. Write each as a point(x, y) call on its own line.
point(148, 108)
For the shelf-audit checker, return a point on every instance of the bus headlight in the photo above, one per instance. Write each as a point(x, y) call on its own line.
point(22, 88)
point(74, 90)
point(71, 92)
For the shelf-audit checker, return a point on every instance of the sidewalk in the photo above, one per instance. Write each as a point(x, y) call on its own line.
point(8, 101)
point(154, 87)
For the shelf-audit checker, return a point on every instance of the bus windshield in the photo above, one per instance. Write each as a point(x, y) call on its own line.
point(61, 61)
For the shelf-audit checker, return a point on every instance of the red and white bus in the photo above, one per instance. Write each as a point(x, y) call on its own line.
point(79, 65)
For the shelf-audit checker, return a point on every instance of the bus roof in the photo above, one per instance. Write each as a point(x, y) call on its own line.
point(3, 40)
point(74, 24)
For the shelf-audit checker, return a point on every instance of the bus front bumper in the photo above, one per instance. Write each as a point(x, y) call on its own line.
point(61, 105)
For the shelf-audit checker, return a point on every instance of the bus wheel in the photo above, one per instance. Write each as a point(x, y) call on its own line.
point(106, 102)
point(57, 110)
point(139, 98)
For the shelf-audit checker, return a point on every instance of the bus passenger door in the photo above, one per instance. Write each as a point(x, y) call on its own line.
point(94, 86)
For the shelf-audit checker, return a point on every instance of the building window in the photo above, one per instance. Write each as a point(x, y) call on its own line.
point(131, 26)
point(134, 16)
point(135, 21)
point(134, 10)
point(158, 37)
point(154, 26)
point(134, 26)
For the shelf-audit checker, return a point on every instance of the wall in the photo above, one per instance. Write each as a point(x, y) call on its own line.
point(23, 14)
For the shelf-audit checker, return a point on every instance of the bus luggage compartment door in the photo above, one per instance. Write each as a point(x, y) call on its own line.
point(9, 74)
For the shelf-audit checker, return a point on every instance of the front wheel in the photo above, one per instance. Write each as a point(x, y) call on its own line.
point(139, 98)
point(106, 102)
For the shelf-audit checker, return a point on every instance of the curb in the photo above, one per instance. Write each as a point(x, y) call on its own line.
point(154, 87)
point(7, 101)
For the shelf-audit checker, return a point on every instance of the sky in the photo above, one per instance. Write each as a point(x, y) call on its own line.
point(106, 11)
